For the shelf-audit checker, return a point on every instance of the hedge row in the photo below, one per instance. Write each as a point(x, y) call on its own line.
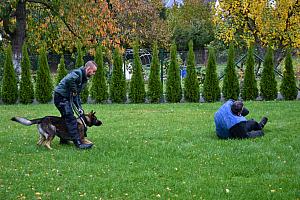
point(116, 90)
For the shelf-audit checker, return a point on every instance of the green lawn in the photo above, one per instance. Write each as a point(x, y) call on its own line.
point(164, 151)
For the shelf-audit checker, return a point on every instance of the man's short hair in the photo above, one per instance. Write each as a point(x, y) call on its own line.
point(90, 64)
point(237, 107)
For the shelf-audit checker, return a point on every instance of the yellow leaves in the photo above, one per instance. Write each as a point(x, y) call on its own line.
point(268, 24)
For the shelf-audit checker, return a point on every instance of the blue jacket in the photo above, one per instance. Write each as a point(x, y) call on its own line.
point(225, 119)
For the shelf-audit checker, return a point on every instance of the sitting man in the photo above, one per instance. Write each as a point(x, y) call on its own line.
point(230, 122)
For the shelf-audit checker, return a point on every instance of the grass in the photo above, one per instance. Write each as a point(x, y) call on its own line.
point(163, 151)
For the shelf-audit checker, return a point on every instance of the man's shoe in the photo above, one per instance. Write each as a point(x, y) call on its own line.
point(263, 122)
point(80, 145)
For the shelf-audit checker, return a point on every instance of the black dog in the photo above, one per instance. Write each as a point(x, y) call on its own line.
point(51, 126)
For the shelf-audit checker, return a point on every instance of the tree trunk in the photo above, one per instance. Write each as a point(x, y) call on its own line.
point(18, 36)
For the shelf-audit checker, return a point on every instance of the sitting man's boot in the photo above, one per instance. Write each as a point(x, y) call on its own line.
point(63, 141)
point(80, 145)
point(263, 122)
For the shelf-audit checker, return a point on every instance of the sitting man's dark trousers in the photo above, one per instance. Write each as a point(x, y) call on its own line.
point(231, 123)
point(69, 88)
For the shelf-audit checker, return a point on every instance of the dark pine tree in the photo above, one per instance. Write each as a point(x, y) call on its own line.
point(250, 91)
point(231, 87)
point(173, 85)
point(44, 86)
point(118, 82)
point(26, 86)
point(84, 94)
point(191, 84)
point(288, 86)
point(137, 86)
point(61, 70)
point(155, 88)
point(268, 84)
point(9, 81)
point(211, 88)
point(99, 90)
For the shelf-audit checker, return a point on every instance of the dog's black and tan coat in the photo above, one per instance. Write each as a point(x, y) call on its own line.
point(51, 126)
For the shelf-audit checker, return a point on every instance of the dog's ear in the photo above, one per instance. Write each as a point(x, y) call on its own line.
point(94, 113)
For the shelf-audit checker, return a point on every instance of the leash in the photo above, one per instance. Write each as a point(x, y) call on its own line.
point(78, 112)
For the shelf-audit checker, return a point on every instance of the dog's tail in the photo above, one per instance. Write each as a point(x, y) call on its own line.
point(25, 121)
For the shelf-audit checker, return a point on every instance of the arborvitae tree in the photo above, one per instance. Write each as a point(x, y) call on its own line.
point(268, 84)
point(99, 90)
point(118, 83)
point(231, 87)
point(44, 86)
point(137, 86)
point(79, 63)
point(211, 88)
point(9, 81)
point(173, 85)
point(250, 91)
point(155, 89)
point(191, 84)
point(288, 86)
point(26, 86)
point(61, 70)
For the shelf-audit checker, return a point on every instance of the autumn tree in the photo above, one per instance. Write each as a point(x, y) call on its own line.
point(211, 88)
point(137, 86)
point(61, 70)
point(264, 22)
point(249, 90)
point(173, 84)
point(58, 24)
point(9, 83)
point(118, 82)
point(191, 21)
point(155, 88)
point(191, 84)
point(268, 84)
point(99, 90)
point(141, 20)
point(44, 86)
point(26, 86)
point(288, 87)
point(230, 88)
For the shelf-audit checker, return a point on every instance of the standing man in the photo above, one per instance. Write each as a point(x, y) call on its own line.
point(230, 122)
point(68, 90)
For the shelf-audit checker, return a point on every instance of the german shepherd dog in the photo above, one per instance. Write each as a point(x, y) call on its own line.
point(51, 126)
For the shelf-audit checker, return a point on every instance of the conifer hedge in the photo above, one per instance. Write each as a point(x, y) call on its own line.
point(155, 88)
point(84, 94)
point(26, 86)
point(9, 81)
point(231, 87)
point(268, 84)
point(44, 86)
point(211, 88)
point(137, 86)
point(288, 87)
point(118, 83)
point(173, 84)
point(191, 84)
point(61, 70)
point(250, 91)
point(99, 90)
